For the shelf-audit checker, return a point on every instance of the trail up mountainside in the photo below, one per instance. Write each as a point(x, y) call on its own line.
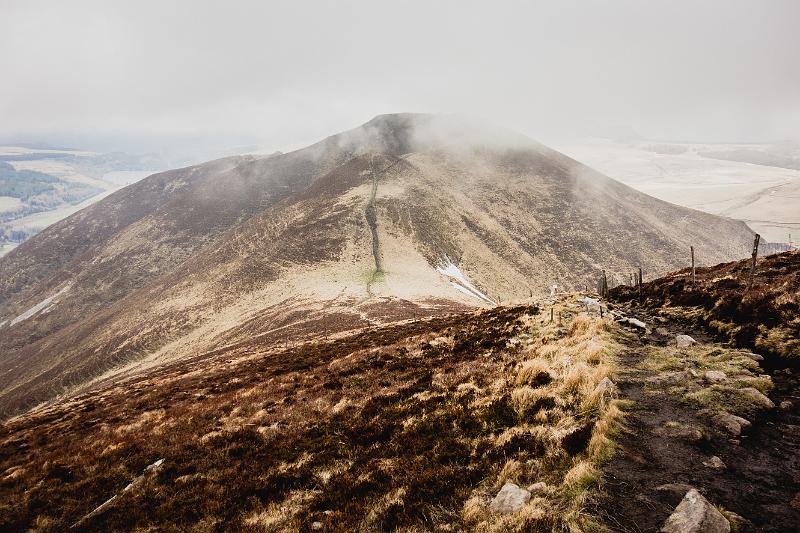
point(704, 411)
point(405, 216)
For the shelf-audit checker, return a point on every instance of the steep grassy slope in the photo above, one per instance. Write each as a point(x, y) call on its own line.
point(408, 426)
point(404, 216)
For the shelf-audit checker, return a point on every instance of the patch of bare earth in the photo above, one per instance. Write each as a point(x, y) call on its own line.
point(690, 428)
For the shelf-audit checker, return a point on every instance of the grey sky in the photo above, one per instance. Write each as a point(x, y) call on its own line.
point(137, 75)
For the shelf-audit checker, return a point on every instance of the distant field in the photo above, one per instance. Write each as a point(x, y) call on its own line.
point(41, 187)
point(7, 247)
point(8, 203)
point(766, 197)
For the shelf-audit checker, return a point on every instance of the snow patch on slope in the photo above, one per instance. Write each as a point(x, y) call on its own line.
point(43, 307)
point(460, 282)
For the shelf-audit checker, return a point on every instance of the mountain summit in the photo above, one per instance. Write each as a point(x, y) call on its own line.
point(405, 216)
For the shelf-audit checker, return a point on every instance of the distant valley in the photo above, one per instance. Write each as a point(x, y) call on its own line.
point(40, 186)
point(756, 183)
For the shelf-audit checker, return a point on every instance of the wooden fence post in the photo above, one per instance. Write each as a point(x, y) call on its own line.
point(694, 280)
point(640, 284)
point(753, 263)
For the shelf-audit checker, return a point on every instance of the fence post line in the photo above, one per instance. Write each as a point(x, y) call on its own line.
point(753, 263)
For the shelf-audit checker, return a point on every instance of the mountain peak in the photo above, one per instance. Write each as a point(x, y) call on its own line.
point(401, 133)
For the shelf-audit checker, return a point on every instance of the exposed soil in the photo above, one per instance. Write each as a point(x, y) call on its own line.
point(761, 477)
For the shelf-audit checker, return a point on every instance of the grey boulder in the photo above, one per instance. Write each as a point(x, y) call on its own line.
point(696, 515)
point(510, 499)
point(684, 341)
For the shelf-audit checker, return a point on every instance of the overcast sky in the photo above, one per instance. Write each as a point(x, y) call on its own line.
point(138, 75)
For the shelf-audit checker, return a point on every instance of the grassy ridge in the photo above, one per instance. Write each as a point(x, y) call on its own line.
point(411, 428)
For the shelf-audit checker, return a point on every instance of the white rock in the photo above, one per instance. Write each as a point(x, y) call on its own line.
point(316, 525)
point(754, 356)
point(786, 405)
point(684, 341)
point(592, 305)
point(536, 487)
point(715, 462)
point(695, 515)
point(605, 384)
point(510, 499)
point(636, 323)
point(715, 376)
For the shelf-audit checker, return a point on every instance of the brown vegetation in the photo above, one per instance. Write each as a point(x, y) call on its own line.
point(765, 318)
point(408, 427)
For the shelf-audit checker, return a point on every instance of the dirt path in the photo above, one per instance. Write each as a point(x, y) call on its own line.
point(651, 471)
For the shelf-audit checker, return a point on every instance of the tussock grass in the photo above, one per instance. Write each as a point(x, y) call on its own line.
point(569, 414)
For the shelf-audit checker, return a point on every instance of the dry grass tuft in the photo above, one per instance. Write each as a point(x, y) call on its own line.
point(568, 417)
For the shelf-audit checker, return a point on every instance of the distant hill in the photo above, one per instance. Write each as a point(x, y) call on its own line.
point(405, 216)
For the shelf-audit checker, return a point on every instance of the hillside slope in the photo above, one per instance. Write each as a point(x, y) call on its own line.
point(765, 318)
point(405, 216)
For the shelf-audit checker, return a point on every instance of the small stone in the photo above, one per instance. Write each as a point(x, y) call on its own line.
point(638, 324)
point(733, 424)
point(795, 501)
point(605, 384)
point(738, 522)
point(786, 405)
point(536, 487)
point(687, 433)
point(684, 341)
point(672, 378)
point(510, 499)
point(316, 525)
point(696, 515)
point(758, 397)
point(661, 331)
point(715, 376)
point(715, 463)
point(755, 357)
